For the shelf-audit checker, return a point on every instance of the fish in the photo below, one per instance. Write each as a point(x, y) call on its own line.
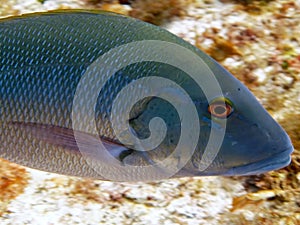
point(101, 95)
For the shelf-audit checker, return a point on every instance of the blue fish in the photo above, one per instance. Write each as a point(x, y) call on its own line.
point(101, 95)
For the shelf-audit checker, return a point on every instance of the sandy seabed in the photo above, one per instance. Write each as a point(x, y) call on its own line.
point(259, 42)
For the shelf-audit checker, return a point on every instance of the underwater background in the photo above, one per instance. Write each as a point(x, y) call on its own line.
point(259, 43)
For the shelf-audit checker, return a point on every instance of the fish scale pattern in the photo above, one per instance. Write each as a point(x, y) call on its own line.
point(45, 56)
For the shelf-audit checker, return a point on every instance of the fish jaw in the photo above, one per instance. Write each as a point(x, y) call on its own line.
point(248, 151)
point(217, 168)
point(278, 161)
point(279, 157)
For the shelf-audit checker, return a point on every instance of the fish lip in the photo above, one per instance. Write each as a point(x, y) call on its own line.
point(277, 161)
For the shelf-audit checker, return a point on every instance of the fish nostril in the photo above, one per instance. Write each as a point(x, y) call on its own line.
point(234, 143)
point(269, 135)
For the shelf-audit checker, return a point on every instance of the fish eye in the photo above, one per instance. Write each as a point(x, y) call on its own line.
point(220, 108)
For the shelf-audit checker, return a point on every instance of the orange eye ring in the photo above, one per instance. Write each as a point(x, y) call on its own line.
point(220, 108)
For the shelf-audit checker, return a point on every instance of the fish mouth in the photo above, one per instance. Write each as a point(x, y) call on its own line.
point(275, 162)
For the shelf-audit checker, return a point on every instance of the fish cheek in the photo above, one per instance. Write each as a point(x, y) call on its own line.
point(156, 107)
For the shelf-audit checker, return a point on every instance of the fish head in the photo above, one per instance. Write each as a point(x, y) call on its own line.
point(253, 142)
point(237, 136)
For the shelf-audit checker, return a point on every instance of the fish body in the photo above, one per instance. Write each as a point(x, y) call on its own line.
point(45, 121)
